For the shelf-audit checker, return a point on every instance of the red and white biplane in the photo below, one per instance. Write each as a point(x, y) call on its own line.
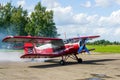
point(44, 47)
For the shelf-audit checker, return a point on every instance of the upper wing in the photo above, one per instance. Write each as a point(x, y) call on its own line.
point(86, 37)
point(29, 39)
point(76, 39)
point(41, 39)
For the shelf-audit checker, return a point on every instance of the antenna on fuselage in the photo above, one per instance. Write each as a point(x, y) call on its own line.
point(65, 35)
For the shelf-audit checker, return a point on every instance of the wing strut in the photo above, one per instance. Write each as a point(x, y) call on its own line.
point(72, 56)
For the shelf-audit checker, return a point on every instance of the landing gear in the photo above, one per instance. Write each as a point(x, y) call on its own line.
point(74, 57)
point(62, 62)
point(80, 60)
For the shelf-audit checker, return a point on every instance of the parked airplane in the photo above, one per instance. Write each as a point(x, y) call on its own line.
point(44, 47)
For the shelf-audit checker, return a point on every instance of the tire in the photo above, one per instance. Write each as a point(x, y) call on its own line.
point(80, 60)
point(62, 62)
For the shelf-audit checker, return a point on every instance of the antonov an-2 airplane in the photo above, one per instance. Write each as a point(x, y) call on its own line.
point(44, 47)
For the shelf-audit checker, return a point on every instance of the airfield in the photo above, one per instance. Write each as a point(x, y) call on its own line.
point(95, 67)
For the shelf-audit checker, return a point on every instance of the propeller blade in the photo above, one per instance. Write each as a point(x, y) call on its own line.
point(83, 46)
point(80, 49)
point(87, 50)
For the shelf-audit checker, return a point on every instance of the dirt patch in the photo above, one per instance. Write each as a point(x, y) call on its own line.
point(94, 67)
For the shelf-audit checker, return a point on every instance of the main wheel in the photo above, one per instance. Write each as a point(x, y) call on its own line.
point(80, 60)
point(62, 62)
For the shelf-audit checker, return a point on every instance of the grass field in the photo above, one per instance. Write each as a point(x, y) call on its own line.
point(106, 49)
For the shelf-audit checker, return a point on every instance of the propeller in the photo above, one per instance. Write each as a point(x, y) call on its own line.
point(82, 47)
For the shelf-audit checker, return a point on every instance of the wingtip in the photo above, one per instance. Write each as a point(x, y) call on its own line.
point(7, 37)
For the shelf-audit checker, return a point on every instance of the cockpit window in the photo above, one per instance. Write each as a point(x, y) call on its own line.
point(66, 41)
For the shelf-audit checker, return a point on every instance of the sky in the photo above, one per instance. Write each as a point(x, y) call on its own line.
point(80, 17)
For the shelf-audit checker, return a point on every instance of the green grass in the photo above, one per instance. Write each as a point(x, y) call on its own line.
point(106, 49)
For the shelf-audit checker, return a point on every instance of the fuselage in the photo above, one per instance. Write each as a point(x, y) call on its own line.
point(50, 48)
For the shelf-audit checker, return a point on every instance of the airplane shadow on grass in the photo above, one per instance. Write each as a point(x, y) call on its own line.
point(54, 63)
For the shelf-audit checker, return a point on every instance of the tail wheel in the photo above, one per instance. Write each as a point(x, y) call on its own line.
point(62, 62)
point(80, 60)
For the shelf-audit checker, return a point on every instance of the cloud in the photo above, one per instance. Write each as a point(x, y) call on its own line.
point(84, 24)
point(93, 25)
point(72, 30)
point(106, 3)
point(63, 15)
point(80, 18)
point(21, 2)
point(50, 3)
point(117, 1)
point(112, 20)
point(117, 32)
point(103, 3)
point(87, 4)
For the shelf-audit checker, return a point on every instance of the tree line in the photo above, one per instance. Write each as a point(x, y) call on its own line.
point(103, 42)
point(16, 21)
